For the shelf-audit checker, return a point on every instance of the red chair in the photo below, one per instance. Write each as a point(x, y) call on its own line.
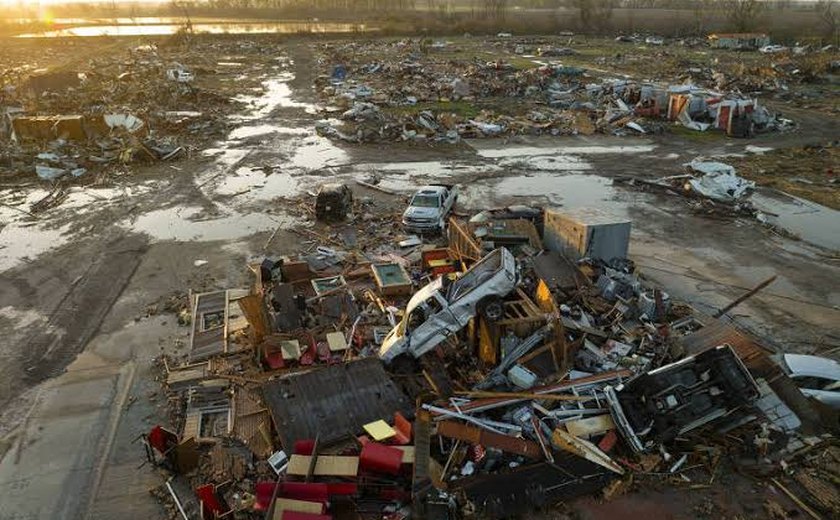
point(211, 506)
point(403, 429)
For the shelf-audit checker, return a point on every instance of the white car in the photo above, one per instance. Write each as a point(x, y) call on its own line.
point(441, 309)
point(772, 49)
point(816, 377)
point(429, 208)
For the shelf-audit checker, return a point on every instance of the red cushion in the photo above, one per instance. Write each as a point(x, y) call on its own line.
point(308, 491)
point(380, 458)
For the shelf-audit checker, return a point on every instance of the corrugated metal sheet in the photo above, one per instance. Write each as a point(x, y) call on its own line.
point(334, 402)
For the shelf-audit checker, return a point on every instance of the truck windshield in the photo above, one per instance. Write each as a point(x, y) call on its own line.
point(418, 300)
point(425, 201)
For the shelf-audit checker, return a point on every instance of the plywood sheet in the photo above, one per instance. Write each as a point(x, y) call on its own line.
point(326, 465)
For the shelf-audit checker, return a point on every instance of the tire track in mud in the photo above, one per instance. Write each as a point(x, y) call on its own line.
point(80, 312)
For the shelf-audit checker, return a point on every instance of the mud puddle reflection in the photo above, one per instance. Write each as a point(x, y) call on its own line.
point(810, 221)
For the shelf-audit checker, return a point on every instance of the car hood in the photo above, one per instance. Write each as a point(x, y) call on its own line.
point(814, 366)
point(418, 212)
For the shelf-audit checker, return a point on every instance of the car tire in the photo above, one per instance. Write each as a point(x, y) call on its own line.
point(491, 308)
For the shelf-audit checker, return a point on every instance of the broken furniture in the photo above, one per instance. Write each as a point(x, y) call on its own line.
point(391, 279)
point(217, 317)
point(333, 202)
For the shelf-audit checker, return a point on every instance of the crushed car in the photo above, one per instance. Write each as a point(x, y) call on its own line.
point(816, 376)
point(429, 208)
point(444, 307)
point(655, 407)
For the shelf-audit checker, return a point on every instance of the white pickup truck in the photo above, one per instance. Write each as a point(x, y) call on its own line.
point(441, 309)
point(429, 208)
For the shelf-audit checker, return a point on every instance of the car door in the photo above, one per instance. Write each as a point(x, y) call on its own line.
point(450, 202)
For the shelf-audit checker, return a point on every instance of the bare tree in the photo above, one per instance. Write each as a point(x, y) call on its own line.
point(700, 11)
point(829, 19)
point(495, 8)
point(743, 14)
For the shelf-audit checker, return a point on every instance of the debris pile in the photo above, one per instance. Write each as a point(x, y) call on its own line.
point(142, 105)
point(437, 95)
point(712, 187)
point(517, 361)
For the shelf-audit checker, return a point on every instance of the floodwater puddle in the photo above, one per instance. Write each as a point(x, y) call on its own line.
point(245, 132)
point(258, 184)
point(808, 220)
point(547, 162)
point(21, 318)
point(316, 153)
point(25, 236)
point(398, 183)
point(571, 191)
point(529, 151)
point(435, 171)
point(182, 224)
point(19, 241)
point(422, 168)
point(169, 26)
point(276, 94)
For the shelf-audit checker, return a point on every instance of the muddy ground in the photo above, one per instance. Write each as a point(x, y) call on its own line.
point(84, 286)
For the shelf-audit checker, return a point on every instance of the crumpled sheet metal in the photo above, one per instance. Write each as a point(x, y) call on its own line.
point(719, 181)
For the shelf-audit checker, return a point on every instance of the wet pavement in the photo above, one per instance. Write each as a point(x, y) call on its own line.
point(74, 440)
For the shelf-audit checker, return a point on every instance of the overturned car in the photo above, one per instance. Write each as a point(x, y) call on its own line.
point(656, 407)
point(442, 308)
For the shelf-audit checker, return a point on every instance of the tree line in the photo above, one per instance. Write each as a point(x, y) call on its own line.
point(741, 15)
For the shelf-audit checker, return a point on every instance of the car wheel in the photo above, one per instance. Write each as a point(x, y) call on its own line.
point(491, 308)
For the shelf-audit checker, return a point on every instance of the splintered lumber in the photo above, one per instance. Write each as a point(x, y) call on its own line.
point(745, 296)
point(472, 434)
point(522, 395)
